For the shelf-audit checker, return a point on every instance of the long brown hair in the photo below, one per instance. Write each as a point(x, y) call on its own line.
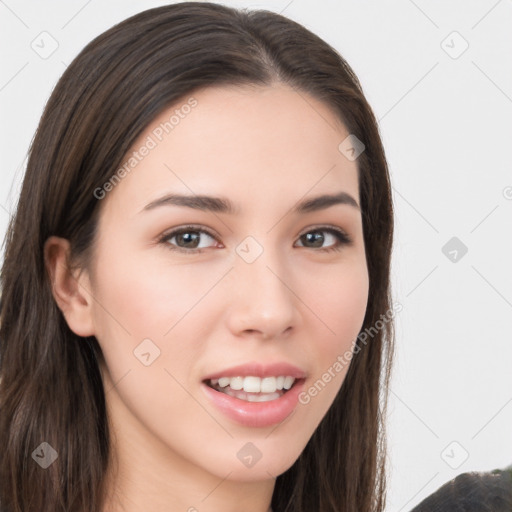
point(51, 388)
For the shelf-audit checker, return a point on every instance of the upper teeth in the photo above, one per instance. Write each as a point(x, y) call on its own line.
point(255, 384)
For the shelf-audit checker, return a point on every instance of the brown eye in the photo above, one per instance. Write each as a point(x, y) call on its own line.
point(316, 239)
point(188, 239)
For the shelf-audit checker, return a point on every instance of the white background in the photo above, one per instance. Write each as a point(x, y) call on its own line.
point(447, 128)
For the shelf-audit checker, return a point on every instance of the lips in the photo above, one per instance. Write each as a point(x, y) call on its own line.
point(259, 370)
point(255, 395)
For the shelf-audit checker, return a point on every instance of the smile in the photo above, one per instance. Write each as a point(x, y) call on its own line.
point(261, 408)
point(252, 388)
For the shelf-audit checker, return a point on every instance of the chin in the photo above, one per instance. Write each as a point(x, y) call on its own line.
point(260, 459)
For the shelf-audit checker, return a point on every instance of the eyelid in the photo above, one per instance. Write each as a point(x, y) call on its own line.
point(324, 227)
point(171, 233)
point(343, 237)
point(188, 227)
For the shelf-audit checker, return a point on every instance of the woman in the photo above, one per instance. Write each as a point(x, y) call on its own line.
point(196, 308)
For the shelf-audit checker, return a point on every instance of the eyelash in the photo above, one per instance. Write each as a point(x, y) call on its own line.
point(342, 238)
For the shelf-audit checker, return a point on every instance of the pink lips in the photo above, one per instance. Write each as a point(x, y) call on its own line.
point(257, 414)
point(259, 370)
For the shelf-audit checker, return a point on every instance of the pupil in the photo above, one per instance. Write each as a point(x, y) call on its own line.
point(316, 237)
point(187, 238)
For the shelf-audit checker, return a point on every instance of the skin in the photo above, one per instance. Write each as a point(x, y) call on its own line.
point(265, 149)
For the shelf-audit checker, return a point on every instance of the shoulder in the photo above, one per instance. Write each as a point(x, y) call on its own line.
point(472, 492)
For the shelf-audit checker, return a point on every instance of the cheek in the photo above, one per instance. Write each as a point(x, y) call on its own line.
point(147, 327)
point(339, 300)
point(145, 295)
point(147, 298)
point(339, 305)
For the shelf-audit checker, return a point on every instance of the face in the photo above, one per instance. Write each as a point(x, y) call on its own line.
point(199, 303)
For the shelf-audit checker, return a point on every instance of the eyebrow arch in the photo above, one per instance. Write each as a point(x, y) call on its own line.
point(325, 201)
point(222, 205)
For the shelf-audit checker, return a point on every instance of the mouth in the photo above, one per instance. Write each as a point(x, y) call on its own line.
point(254, 394)
point(253, 401)
point(253, 388)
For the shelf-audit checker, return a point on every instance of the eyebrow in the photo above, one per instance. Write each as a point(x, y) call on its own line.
point(222, 205)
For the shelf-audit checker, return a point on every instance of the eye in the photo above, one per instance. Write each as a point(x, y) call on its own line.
point(189, 239)
point(317, 237)
point(192, 239)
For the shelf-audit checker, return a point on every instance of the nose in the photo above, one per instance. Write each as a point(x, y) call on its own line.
point(262, 299)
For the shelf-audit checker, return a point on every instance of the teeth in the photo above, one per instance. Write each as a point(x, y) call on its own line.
point(268, 385)
point(224, 381)
point(288, 382)
point(248, 397)
point(237, 383)
point(253, 384)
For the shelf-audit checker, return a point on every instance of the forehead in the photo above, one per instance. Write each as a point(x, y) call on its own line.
point(258, 144)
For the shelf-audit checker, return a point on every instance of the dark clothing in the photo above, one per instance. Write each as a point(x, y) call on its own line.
point(472, 492)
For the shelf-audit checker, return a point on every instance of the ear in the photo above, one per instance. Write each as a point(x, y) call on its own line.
point(70, 288)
